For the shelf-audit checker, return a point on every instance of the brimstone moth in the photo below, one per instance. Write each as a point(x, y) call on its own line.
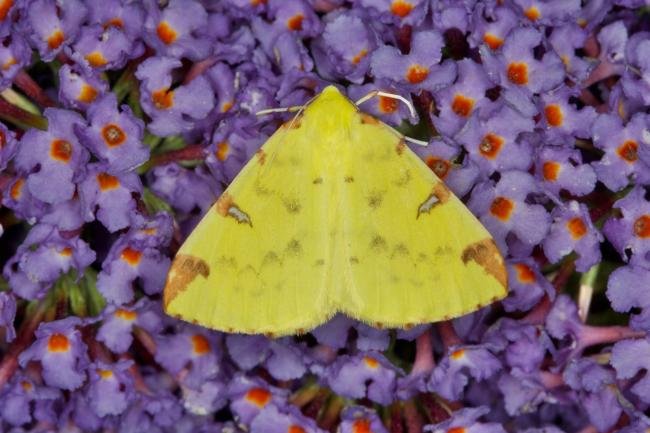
point(333, 214)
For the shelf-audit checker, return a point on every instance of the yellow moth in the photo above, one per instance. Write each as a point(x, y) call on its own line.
point(333, 214)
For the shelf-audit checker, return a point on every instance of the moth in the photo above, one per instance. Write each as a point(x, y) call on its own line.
point(334, 213)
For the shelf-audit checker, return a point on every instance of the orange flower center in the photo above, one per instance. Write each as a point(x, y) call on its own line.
point(457, 430)
point(58, 343)
point(576, 227)
point(163, 99)
point(401, 8)
point(518, 73)
point(55, 39)
point(387, 105)
point(61, 150)
point(258, 396)
point(200, 344)
point(417, 73)
point(439, 166)
point(457, 354)
point(104, 374)
point(222, 151)
point(66, 252)
point(16, 190)
point(107, 182)
point(492, 41)
point(5, 5)
point(628, 151)
point(87, 94)
point(554, 116)
point(131, 256)
point(551, 170)
point(114, 22)
point(296, 429)
point(532, 13)
point(462, 105)
point(113, 135)
point(502, 208)
point(295, 22)
point(127, 315)
point(96, 59)
point(642, 227)
point(361, 426)
point(370, 362)
point(491, 145)
point(524, 273)
point(166, 33)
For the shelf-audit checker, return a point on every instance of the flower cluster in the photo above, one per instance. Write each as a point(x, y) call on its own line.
point(123, 121)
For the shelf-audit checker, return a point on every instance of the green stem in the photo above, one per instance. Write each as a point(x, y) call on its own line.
point(19, 117)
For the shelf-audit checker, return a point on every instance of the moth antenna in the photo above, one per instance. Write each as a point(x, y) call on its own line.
point(280, 110)
point(388, 95)
point(399, 98)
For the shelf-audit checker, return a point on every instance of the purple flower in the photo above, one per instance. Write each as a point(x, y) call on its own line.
point(466, 420)
point(561, 168)
point(523, 392)
point(365, 375)
point(565, 40)
point(420, 69)
point(492, 27)
point(135, 255)
point(563, 120)
point(347, 44)
point(503, 209)
point(115, 136)
point(15, 54)
point(42, 258)
point(285, 419)
point(8, 145)
point(54, 24)
point(104, 48)
point(629, 357)
point(249, 396)
point(572, 230)
point(523, 346)
point(110, 387)
point(621, 144)
point(440, 157)
point(108, 197)
point(547, 12)
point(178, 30)
point(54, 159)
point(20, 397)
point(596, 388)
point(627, 289)
point(634, 81)
point(357, 419)
point(398, 11)
point(116, 330)
point(490, 138)
point(283, 360)
point(631, 232)
point(457, 102)
point(123, 15)
point(61, 352)
point(172, 110)
point(453, 373)
point(8, 315)
point(526, 285)
point(78, 88)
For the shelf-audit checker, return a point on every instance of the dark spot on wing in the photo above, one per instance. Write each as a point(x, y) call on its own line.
point(348, 179)
point(354, 260)
point(271, 258)
point(292, 205)
point(320, 262)
point(367, 119)
point(400, 250)
point(377, 243)
point(401, 145)
point(317, 181)
point(294, 247)
point(375, 199)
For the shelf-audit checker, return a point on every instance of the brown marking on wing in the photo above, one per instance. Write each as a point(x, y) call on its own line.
point(226, 207)
point(401, 145)
point(184, 270)
point(439, 195)
point(486, 254)
point(261, 156)
point(367, 119)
